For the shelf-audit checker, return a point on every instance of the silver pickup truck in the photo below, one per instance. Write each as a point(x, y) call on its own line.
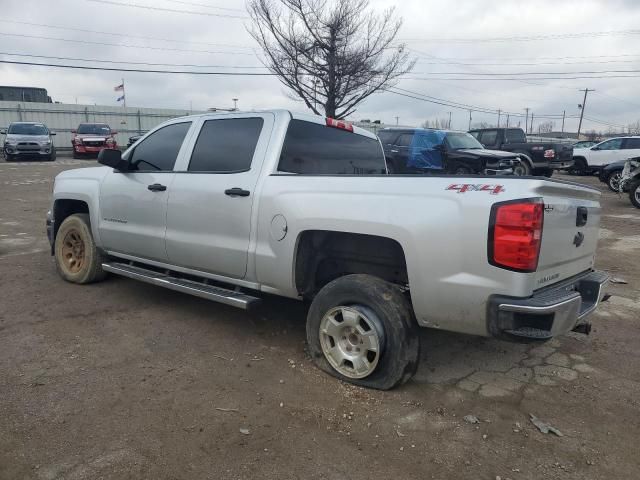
point(230, 206)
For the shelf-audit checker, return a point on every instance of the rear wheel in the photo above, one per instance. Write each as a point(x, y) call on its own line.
point(361, 329)
point(579, 167)
point(462, 170)
point(613, 182)
point(522, 168)
point(634, 193)
point(78, 260)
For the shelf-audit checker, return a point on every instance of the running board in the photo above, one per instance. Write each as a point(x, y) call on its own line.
point(198, 289)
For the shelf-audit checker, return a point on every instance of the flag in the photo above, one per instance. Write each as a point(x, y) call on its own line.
point(119, 88)
point(120, 98)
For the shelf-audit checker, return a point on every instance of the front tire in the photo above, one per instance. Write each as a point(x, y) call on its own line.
point(613, 182)
point(579, 167)
point(78, 260)
point(634, 194)
point(361, 330)
point(522, 169)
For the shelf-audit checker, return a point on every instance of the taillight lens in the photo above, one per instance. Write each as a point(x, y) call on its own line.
point(551, 153)
point(515, 235)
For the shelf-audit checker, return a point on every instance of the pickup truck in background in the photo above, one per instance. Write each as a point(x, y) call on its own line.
point(420, 150)
point(536, 158)
point(229, 207)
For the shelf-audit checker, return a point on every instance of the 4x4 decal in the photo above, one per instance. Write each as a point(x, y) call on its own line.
point(470, 187)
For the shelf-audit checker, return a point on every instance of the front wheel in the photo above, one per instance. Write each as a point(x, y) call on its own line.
point(78, 260)
point(522, 169)
point(361, 329)
point(613, 182)
point(634, 194)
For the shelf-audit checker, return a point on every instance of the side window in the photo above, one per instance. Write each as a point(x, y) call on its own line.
point(226, 145)
point(489, 137)
point(614, 144)
point(386, 137)
point(314, 149)
point(632, 143)
point(515, 136)
point(405, 140)
point(158, 152)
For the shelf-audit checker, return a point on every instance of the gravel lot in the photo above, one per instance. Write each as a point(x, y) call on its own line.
point(125, 380)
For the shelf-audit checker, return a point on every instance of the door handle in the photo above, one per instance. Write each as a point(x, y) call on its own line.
point(237, 192)
point(156, 187)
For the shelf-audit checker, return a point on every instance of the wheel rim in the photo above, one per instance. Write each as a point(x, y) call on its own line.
point(614, 181)
point(637, 194)
point(462, 171)
point(520, 170)
point(73, 256)
point(351, 340)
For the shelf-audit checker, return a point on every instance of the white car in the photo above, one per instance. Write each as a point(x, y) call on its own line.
point(589, 160)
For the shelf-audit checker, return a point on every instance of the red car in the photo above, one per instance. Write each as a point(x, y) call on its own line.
point(90, 138)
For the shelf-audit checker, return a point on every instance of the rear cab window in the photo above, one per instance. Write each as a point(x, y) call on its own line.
point(515, 135)
point(315, 149)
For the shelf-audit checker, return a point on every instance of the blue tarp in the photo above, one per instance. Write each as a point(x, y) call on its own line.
point(424, 152)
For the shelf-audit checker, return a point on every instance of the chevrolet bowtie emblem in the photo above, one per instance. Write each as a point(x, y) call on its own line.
point(578, 239)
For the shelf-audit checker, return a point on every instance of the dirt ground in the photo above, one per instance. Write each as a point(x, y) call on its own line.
point(125, 380)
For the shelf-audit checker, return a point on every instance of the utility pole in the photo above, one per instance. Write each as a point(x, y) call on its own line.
point(584, 103)
point(469, 119)
point(235, 104)
point(526, 120)
point(449, 126)
point(397, 120)
point(507, 120)
point(124, 96)
point(499, 111)
point(564, 112)
point(531, 128)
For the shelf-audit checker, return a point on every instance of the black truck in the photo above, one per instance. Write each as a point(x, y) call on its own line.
point(420, 150)
point(536, 158)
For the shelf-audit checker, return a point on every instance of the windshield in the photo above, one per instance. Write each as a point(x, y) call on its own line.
point(28, 129)
point(94, 128)
point(457, 141)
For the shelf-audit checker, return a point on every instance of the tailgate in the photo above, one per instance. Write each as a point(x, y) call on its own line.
point(570, 231)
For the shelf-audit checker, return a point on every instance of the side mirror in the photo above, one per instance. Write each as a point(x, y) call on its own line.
point(3, 132)
point(595, 148)
point(113, 158)
point(52, 133)
point(73, 130)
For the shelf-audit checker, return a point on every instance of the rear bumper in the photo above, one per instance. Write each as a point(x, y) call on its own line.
point(549, 312)
point(561, 164)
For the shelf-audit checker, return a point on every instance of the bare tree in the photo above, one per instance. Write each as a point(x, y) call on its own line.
point(483, 125)
point(331, 53)
point(546, 127)
point(438, 123)
point(634, 128)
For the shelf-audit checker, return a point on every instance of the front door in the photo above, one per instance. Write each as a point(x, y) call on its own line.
point(606, 153)
point(211, 198)
point(133, 204)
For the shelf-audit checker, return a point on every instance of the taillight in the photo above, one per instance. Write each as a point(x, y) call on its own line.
point(515, 234)
point(332, 122)
point(551, 153)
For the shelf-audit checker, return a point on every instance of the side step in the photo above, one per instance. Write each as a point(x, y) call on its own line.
point(198, 289)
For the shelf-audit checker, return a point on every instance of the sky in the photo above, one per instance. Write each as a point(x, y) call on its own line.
point(454, 43)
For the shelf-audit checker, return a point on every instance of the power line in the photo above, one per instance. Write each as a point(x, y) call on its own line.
point(507, 74)
point(529, 38)
point(509, 64)
point(120, 35)
point(137, 70)
point(205, 5)
point(123, 45)
point(170, 10)
point(505, 79)
point(128, 63)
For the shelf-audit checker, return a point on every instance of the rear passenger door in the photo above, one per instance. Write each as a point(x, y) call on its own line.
point(211, 199)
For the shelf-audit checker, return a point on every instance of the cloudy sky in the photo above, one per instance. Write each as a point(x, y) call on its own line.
point(460, 45)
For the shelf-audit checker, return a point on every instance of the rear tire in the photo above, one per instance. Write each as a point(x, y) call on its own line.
point(634, 194)
point(579, 167)
point(368, 314)
point(78, 260)
point(462, 170)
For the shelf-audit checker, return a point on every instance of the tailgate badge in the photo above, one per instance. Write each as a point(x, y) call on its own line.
point(578, 239)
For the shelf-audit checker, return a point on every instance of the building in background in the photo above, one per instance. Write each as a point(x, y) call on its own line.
point(24, 94)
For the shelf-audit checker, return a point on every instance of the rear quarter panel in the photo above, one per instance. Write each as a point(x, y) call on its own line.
point(443, 233)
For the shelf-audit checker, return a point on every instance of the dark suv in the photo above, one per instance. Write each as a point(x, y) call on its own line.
point(419, 150)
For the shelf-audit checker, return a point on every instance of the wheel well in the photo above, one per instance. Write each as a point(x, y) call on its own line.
point(582, 159)
point(525, 156)
point(63, 208)
point(323, 256)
